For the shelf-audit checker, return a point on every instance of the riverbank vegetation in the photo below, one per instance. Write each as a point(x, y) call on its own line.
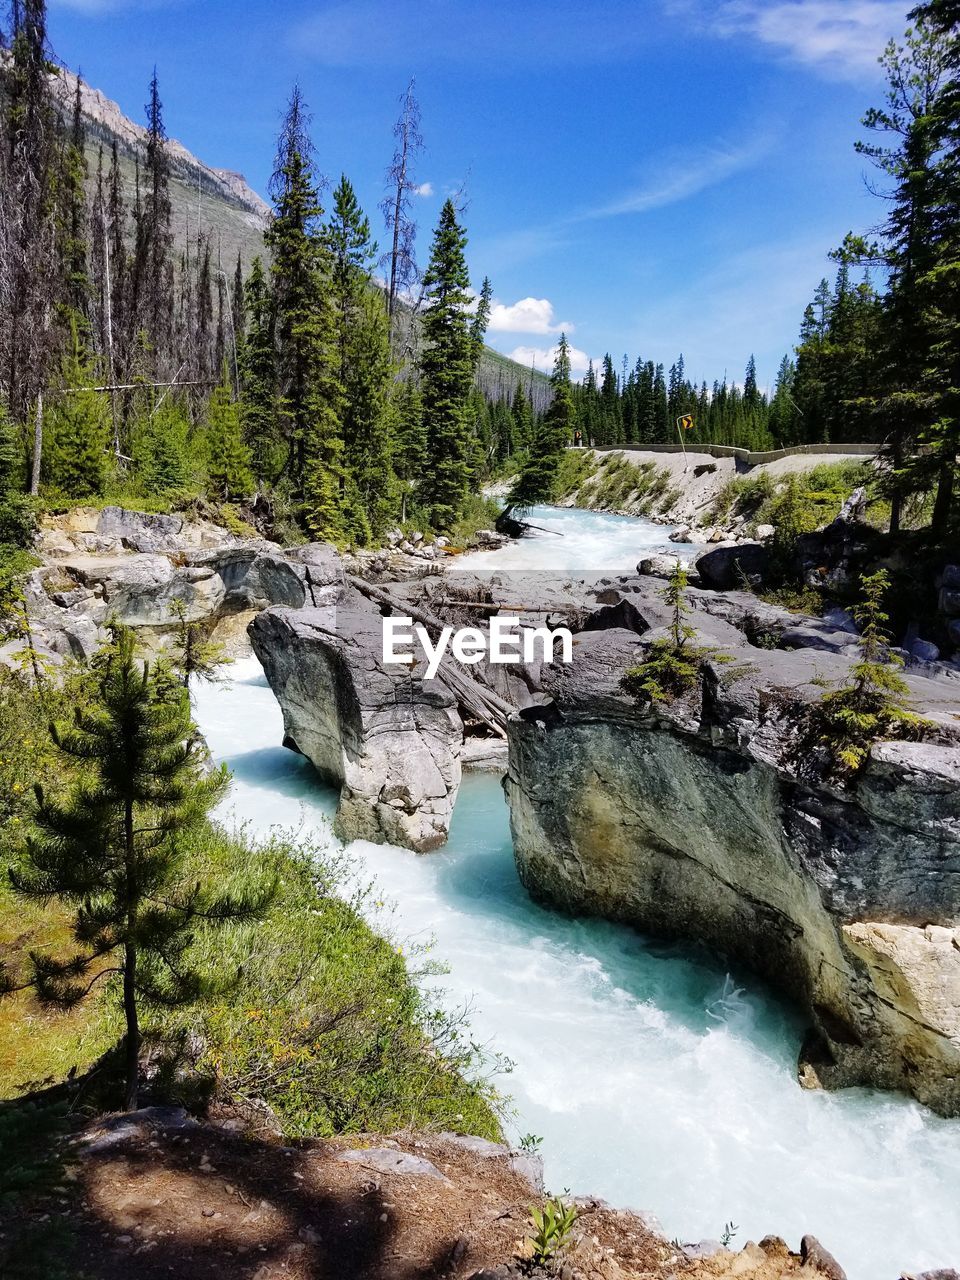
point(292, 1003)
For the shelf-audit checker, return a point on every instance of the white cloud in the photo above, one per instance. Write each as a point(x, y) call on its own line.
point(543, 358)
point(424, 189)
point(529, 315)
point(840, 37)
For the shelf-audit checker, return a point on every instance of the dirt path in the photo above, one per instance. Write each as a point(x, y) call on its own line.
point(157, 1195)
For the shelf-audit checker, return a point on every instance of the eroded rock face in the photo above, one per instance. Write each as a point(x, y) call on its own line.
point(214, 577)
point(693, 822)
point(389, 740)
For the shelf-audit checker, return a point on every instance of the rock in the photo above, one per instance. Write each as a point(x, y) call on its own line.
point(924, 651)
point(763, 532)
point(390, 739)
point(950, 576)
point(394, 538)
point(950, 601)
point(484, 753)
point(71, 601)
point(842, 619)
point(396, 1162)
point(855, 506)
point(442, 542)
point(817, 633)
point(658, 566)
point(953, 630)
point(945, 1273)
point(682, 534)
point(527, 1164)
point(141, 530)
point(694, 821)
point(703, 1249)
point(813, 1254)
point(726, 566)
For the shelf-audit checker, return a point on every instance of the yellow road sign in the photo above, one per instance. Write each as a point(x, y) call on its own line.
point(686, 422)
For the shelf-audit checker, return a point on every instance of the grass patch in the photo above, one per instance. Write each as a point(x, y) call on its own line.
point(614, 483)
point(325, 1020)
point(326, 1023)
point(817, 495)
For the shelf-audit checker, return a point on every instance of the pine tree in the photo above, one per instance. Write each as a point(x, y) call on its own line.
point(446, 372)
point(537, 481)
point(408, 438)
point(258, 380)
point(161, 450)
point(310, 395)
point(362, 343)
point(28, 218)
point(153, 266)
point(228, 466)
point(77, 429)
point(396, 207)
point(73, 195)
point(114, 848)
point(481, 318)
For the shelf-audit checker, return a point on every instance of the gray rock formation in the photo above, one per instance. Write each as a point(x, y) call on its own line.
point(695, 821)
point(725, 566)
point(390, 740)
point(134, 567)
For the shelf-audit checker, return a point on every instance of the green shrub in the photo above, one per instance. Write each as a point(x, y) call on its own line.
point(552, 1229)
point(874, 703)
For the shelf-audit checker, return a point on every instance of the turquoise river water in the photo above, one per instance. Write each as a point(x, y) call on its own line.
point(657, 1080)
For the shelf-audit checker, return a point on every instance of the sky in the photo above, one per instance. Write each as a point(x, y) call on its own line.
point(653, 177)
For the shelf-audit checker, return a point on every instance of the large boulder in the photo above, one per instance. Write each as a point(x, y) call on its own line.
point(726, 566)
point(388, 738)
point(703, 820)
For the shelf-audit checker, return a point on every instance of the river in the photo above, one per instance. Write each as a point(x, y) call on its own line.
point(656, 1079)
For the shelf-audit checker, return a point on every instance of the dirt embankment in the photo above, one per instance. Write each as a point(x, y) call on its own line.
point(691, 482)
point(157, 1194)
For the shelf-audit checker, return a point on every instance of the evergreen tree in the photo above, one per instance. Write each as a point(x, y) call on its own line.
point(408, 438)
point(310, 395)
point(536, 482)
point(228, 465)
point(161, 451)
point(362, 343)
point(114, 848)
point(153, 268)
point(481, 318)
point(258, 380)
point(77, 430)
point(74, 200)
point(446, 372)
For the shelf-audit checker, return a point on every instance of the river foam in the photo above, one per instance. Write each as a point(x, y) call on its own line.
point(657, 1080)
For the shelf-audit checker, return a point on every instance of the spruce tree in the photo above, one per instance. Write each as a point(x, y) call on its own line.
point(77, 428)
point(446, 372)
point(310, 393)
point(362, 344)
point(481, 318)
point(258, 380)
point(408, 439)
point(114, 847)
point(537, 481)
point(228, 465)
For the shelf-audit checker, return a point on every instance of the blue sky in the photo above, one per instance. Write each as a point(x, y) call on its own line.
point(656, 176)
